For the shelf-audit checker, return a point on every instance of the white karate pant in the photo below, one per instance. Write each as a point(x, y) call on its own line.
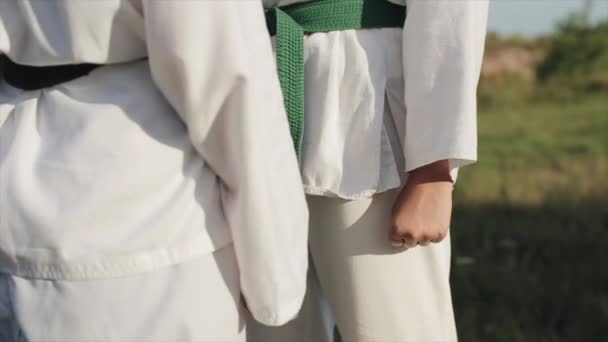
point(194, 301)
point(376, 293)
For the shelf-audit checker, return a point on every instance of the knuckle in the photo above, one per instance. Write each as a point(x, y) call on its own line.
point(417, 236)
point(407, 235)
point(428, 235)
point(401, 227)
point(398, 229)
point(397, 223)
point(394, 235)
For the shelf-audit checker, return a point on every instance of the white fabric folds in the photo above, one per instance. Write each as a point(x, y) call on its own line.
point(106, 176)
point(377, 97)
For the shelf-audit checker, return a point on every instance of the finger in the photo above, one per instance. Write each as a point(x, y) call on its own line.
point(438, 237)
point(397, 240)
point(410, 243)
point(424, 243)
point(407, 239)
point(398, 244)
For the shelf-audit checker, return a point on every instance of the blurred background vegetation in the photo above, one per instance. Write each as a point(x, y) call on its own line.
point(530, 225)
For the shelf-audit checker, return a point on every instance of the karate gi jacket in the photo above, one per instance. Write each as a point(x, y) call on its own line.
point(382, 102)
point(176, 147)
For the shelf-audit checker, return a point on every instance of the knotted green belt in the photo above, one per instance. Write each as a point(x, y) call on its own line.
point(290, 23)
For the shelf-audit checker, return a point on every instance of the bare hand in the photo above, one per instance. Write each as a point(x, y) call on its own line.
point(423, 210)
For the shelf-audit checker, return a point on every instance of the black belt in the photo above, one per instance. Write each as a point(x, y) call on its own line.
point(28, 77)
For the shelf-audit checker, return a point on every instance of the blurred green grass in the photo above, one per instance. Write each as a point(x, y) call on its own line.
point(530, 152)
point(530, 227)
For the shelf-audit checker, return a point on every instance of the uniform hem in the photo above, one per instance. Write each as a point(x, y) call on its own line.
point(112, 267)
point(357, 196)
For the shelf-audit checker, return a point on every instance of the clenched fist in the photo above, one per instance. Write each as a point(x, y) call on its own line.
point(423, 210)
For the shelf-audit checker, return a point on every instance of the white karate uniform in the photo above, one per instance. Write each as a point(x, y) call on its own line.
point(197, 300)
point(176, 148)
point(380, 103)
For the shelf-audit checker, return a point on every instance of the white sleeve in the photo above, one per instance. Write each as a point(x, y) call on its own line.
point(213, 61)
point(443, 45)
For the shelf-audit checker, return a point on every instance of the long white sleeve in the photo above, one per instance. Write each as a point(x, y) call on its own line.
point(443, 45)
point(214, 63)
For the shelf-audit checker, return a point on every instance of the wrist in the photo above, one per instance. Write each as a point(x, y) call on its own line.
point(438, 171)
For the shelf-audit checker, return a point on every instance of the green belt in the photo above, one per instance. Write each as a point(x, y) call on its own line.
point(291, 23)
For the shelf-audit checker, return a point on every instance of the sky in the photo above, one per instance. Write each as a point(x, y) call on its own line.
point(535, 17)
